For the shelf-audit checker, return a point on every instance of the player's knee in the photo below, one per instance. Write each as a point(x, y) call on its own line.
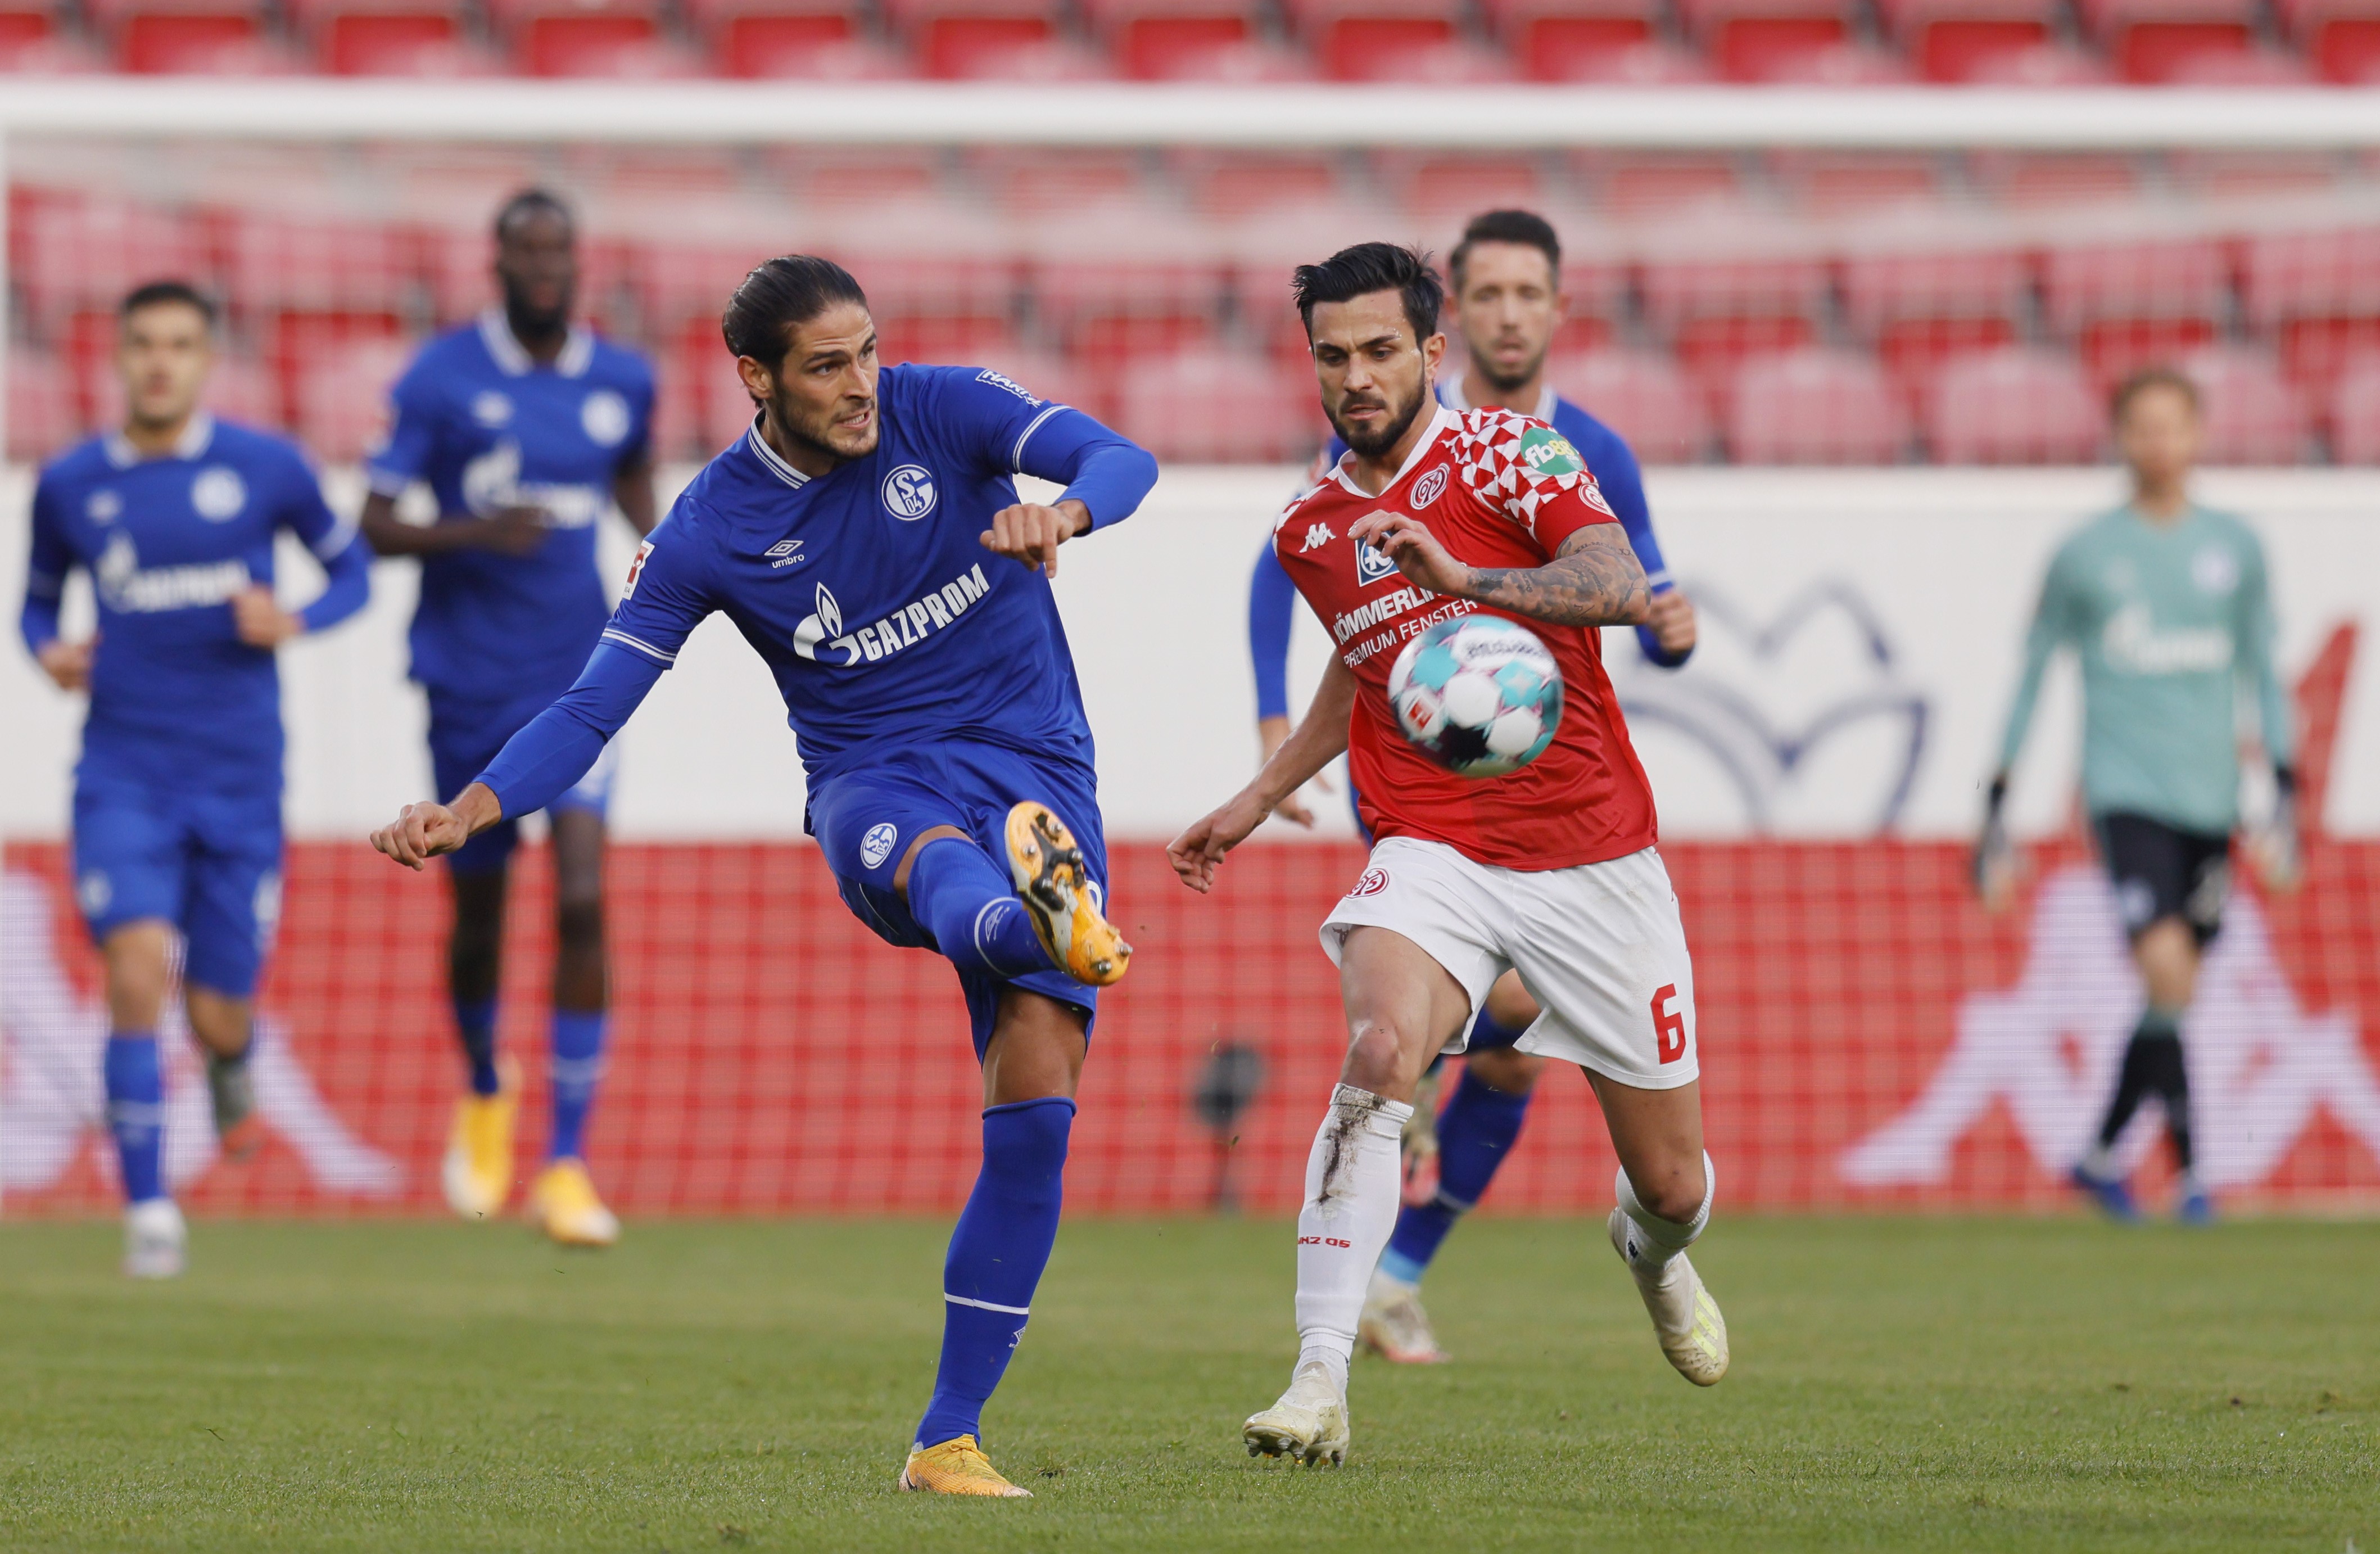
point(139, 958)
point(1384, 1059)
point(1670, 1186)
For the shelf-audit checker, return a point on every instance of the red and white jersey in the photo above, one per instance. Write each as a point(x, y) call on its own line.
point(1498, 489)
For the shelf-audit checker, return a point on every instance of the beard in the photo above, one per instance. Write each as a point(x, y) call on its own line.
point(1507, 382)
point(819, 429)
point(1372, 444)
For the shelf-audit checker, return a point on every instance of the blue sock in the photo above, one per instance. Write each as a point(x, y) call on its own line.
point(577, 1069)
point(475, 1021)
point(135, 1113)
point(996, 1257)
point(966, 901)
point(1475, 1133)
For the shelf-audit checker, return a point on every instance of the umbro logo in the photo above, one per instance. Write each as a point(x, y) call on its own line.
point(784, 553)
point(1316, 536)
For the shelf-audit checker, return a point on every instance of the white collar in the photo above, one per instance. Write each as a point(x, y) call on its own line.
point(1439, 420)
point(196, 432)
point(1450, 394)
point(513, 359)
point(770, 456)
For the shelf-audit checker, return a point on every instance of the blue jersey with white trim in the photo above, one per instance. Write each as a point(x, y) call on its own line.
point(867, 590)
point(487, 426)
point(175, 696)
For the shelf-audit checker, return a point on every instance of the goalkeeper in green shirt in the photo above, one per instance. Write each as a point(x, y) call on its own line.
point(2167, 606)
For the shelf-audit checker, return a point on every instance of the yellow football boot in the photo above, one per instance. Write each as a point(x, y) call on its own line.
point(957, 1467)
point(477, 1170)
point(1686, 1319)
point(563, 1203)
point(1061, 899)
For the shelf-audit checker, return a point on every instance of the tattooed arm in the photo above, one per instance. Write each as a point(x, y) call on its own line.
point(1594, 581)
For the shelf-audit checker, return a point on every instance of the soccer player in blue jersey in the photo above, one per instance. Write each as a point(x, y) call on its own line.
point(527, 430)
point(1509, 304)
point(177, 797)
point(942, 728)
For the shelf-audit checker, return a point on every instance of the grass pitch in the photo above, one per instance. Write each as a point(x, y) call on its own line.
point(1950, 1384)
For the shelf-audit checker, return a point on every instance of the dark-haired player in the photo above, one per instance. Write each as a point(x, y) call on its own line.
point(2168, 607)
point(177, 797)
point(854, 535)
point(1550, 870)
point(527, 429)
point(1508, 304)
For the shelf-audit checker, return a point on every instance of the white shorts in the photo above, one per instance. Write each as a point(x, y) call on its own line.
point(1598, 946)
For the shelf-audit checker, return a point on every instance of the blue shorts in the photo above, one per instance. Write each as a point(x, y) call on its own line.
point(207, 863)
point(865, 820)
point(465, 736)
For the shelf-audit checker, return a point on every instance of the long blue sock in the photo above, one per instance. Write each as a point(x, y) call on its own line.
point(135, 1113)
point(966, 901)
point(1475, 1133)
point(577, 1069)
point(997, 1254)
point(475, 1021)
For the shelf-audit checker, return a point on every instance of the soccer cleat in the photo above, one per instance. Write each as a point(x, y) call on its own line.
point(1395, 1327)
point(561, 1203)
point(1308, 1425)
point(957, 1467)
point(1686, 1319)
point(477, 1170)
point(231, 1090)
point(155, 1238)
point(2113, 1197)
point(1058, 896)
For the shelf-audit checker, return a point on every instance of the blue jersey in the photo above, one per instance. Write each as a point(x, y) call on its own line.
point(488, 426)
point(176, 698)
point(885, 621)
point(1272, 598)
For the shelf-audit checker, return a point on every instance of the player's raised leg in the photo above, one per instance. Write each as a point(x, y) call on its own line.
point(563, 1200)
point(1401, 1006)
point(1664, 1187)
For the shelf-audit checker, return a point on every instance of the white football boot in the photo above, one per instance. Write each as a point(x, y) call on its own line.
point(1308, 1425)
point(1686, 1319)
point(155, 1238)
point(1395, 1327)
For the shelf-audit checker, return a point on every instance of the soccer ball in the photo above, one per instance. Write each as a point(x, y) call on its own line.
point(1479, 695)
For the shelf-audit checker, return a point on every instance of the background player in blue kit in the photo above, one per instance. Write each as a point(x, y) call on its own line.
point(527, 430)
point(177, 797)
point(1509, 304)
point(932, 691)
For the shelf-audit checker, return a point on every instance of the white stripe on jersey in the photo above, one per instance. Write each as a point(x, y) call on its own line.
point(613, 634)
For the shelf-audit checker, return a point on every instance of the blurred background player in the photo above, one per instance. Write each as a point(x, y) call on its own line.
point(527, 429)
point(1550, 871)
point(1508, 307)
point(851, 534)
point(2169, 608)
point(177, 797)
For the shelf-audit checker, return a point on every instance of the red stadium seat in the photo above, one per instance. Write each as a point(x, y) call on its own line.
point(1226, 186)
point(685, 286)
point(2317, 293)
point(1041, 183)
point(1720, 313)
point(274, 264)
point(28, 35)
point(1106, 312)
point(950, 310)
point(2014, 405)
point(960, 39)
point(342, 396)
point(1835, 184)
point(72, 254)
point(1919, 310)
point(1838, 64)
point(2153, 41)
point(2038, 66)
point(1643, 64)
point(386, 36)
point(1365, 39)
point(1814, 407)
point(1208, 406)
point(1644, 397)
point(2251, 414)
point(2355, 414)
point(2340, 37)
point(1442, 192)
point(1636, 186)
point(773, 37)
point(2025, 180)
point(1569, 39)
point(1753, 40)
point(189, 37)
point(1153, 39)
point(41, 416)
point(593, 38)
point(2132, 305)
point(1951, 40)
point(870, 179)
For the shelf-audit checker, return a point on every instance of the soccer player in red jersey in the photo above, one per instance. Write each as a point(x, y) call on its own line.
point(1550, 870)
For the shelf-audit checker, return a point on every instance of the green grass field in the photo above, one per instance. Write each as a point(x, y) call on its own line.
point(1898, 1384)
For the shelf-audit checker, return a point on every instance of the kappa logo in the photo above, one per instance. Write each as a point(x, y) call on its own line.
point(1374, 881)
point(785, 552)
point(1371, 565)
point(1316, 536)
point(909, 492)
point(877, 845)
point(1429, 488)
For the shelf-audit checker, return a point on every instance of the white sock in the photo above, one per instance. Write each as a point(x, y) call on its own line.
point(1387, 1286)
point(1352, 1190)
point(1656, 1239)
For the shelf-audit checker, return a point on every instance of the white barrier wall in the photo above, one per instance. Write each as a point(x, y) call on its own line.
point(1861, 634)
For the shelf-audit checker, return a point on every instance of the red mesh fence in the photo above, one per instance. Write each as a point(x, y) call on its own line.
point(1870, 1037)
